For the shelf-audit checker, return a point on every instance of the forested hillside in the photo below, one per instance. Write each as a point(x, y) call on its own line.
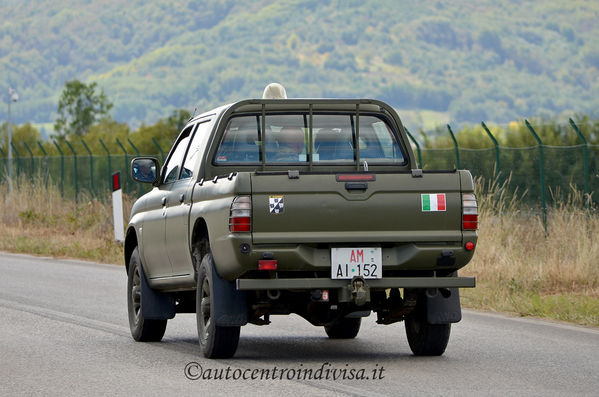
point(453, 60)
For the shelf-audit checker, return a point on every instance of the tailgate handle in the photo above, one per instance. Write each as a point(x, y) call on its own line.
point(356, 186)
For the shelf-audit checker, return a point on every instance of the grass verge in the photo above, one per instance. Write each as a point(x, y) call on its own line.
point(37, 220)
point(522, 270)
point(519, 269)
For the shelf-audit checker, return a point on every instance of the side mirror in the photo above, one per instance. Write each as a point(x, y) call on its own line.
point(145, 170)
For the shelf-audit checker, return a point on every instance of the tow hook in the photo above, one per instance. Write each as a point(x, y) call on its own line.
point(359, 291)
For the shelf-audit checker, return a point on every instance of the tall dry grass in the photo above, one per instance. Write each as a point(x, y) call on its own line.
point(523, 270)
point(37, 220)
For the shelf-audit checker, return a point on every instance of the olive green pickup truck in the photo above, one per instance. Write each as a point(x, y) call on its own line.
point(308, 206)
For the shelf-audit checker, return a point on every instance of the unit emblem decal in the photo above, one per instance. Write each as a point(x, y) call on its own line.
point(276, 204)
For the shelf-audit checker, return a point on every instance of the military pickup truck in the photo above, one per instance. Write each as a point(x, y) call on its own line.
point(309, 206)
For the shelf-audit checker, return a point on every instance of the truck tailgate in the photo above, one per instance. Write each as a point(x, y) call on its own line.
point(319, 208)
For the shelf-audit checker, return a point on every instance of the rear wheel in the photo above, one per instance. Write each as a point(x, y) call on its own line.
point(426, 339)
point(215, 341)
point(142, 329)
point(345, 328)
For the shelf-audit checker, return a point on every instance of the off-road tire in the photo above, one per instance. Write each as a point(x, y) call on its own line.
point(426, 339)
point(142, 329)
point(344, 328)
point(215, 341)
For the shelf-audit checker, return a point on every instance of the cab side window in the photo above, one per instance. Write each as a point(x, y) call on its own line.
point(195, 149)
point(173, 166)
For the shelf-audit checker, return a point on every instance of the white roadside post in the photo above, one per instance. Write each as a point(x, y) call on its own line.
point(117, 208)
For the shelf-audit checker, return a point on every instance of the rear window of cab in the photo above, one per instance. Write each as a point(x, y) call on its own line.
point(287, 140)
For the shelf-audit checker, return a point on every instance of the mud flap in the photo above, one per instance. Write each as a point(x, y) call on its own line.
point(155, 305)
point(443, 306)
point(229, 304)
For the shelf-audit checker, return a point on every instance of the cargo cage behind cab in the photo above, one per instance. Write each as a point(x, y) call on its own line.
point(310, 133)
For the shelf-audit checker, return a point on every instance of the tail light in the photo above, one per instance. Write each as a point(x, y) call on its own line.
point(240, 219)
point(469, 212)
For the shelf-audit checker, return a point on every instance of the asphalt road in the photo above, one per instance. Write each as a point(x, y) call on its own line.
point(64, 331)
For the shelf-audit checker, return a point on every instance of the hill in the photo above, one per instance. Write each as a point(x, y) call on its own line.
point(445, 60)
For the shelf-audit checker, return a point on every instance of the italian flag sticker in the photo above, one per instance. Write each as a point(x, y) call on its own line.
point(433, 202)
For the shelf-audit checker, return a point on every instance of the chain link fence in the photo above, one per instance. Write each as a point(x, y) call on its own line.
point(75, 176)
point(563, 168)
point(546, 173)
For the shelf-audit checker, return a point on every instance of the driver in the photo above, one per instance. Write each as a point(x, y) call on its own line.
point(291, 142)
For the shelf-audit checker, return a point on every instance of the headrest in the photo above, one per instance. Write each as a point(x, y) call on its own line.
point(274, 91)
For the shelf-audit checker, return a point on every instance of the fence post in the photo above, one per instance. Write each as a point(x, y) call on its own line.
point(497, 167)
point(139, 187)
point(46, 163)
point(541, 173)
point(126, 159)
point(5, 160)
point(417, 147)
point(74, 169)
point(14, 148)
point(31, 158)
point(585, 155)
point(61, 168)
point(39, 144)
point(133, 146)
point(455, 144)
point(159, 148)
point(108, 158)
point(91, 168)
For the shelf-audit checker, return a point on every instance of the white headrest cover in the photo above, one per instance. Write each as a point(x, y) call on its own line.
point(274, 91)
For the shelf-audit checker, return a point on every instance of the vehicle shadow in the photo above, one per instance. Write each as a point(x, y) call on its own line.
point(279, 350)
point(311, 348)
point(301, 341)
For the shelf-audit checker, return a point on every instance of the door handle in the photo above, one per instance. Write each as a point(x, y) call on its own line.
point(181, 198)
point(164, 201)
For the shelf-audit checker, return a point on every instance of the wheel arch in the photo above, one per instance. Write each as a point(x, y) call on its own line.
point(130, 244)
point(200, 243)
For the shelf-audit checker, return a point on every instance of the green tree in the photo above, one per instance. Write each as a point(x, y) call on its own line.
point(79, 107)
point(164, 132)
point(108, 130)
point(22, 135)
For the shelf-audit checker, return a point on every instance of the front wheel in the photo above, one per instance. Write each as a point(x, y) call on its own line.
point(142, 329)
point(215, 341)
point(426, 339)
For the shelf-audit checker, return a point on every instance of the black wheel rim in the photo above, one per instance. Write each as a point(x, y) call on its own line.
point(136, 295)
point(205, 309)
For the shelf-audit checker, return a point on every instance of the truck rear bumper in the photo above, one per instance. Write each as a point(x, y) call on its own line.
point(324, 283)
